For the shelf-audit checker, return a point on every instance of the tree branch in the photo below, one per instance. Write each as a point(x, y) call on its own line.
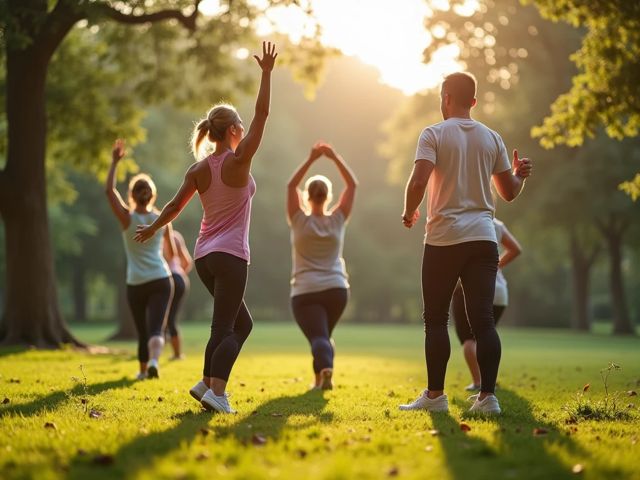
point(188, 21)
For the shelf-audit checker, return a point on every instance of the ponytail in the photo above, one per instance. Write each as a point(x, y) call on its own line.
point(213, 127)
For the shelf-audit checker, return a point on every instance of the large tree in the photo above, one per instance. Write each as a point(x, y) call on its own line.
point(161, 40)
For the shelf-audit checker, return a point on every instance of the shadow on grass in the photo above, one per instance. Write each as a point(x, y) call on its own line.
point(54, 399)
point(272, 418)
point(516, 452)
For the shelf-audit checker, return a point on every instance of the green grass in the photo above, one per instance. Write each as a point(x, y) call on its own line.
point(153, 429)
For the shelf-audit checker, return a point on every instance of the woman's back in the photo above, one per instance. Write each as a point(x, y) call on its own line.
point(226, 214)
point(317, 242)
point(145, 261)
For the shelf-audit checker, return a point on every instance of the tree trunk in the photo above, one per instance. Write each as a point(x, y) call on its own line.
point(581, 263)
point(621, 319)
point(32, 315)
point(79, 290)
point(126, 327)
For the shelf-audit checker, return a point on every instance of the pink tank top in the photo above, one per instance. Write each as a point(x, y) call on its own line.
point(227, 211)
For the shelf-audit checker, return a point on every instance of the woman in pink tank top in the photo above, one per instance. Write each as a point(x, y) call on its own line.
point(224, 183)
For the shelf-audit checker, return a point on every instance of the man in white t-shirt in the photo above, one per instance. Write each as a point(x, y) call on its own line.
point(457, 159)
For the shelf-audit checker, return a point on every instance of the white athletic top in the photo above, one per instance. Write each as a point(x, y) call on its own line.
point(501, 297)
point(316, 243)
point(465, 154)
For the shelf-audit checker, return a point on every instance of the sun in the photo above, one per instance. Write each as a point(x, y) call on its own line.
point(388, 35)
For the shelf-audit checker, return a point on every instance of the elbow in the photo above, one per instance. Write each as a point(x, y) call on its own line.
point(353, 183)
point(509, 196)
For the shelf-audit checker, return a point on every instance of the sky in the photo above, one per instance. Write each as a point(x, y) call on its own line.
point(390, 39)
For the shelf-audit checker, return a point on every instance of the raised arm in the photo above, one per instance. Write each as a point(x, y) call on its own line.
point(509, 183)
point(116, 203)
point(294, 196)
point(172, 209)
point(511, 248)
point(250, 143)
point(349, 193)
point(414, 191)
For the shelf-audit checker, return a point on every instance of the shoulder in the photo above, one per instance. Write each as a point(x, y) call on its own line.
point(431, 131)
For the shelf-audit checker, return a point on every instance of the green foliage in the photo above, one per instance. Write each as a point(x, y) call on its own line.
point(632, 187)
point(154, 429)
point(609, 407)
point(604, 92)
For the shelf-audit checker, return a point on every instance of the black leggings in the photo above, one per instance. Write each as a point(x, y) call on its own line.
point(476, 265)
point(180, 288)
point(225, 276)
point(149, 303)
point(317, 314)
point(460, 318)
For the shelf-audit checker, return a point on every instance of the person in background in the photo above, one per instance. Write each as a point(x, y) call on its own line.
point(319, 283)
point(511, 249)
point(180, 264)
point(149, 283)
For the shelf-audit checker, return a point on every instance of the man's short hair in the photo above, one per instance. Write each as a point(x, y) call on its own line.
point(461, 86)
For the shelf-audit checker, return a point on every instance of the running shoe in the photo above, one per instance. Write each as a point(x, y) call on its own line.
point(141, 376)
point(325, 379)
point(198, 390)
point(472, 387)
point(438, 404)
point(488, 405)
point(218, 403)
point(152, 369)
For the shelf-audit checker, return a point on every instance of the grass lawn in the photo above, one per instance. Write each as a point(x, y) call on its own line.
point(60, 420)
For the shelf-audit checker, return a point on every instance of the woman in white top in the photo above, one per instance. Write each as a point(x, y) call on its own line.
point(319, 283)
point(180, 263)
point(500, 301)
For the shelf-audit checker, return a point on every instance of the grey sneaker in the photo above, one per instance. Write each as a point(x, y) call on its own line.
point(198, 390)
point(213, 402)
point(438, 404)
point(472, 387)
point(489, 405)
point(141, 376)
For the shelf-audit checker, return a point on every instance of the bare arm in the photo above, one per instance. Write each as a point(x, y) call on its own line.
point(172, 209)
point(185, 258)
point(349, 193)
point(294, 200)
point(511, 248)
point(116, 203)
point(168, 240)
point(414, 191)
point(250, 143)
point(509, 183)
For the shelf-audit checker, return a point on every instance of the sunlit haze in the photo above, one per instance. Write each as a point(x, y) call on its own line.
point(389, 39)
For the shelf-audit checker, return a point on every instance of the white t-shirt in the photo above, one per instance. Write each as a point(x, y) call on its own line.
point(316, 243)
point(465, 154)
point(501, 297)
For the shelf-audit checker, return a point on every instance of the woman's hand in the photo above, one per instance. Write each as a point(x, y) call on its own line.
point(118, 150)
point(144, 233)
point(329, 151)
point(269, 55)
point(315, 153)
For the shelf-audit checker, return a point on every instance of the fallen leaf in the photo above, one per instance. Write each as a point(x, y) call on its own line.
point(202, 456)
point(577, 468)
point(84, 401)
point(465, 427)
point(14, 380)
point(302, 453)
point(539, 431)
point(632, 393)
point(393, 472)
point(277, 414)
point(103, 459)
point(586, 387)
point(391, 394)
point(428, 448)
point(258, 439)
point(366, 438)
point(50, 425)
point(434, 432)
point(95, 414)
point(160, 399)
point(204, 431)
point(5, 401)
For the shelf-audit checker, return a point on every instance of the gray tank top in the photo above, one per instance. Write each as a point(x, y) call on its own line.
point(145, 261)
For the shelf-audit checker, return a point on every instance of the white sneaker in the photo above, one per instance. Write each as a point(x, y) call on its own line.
point(198, 390)
point(488, 405)
point(473, 398)
point(141, 376)
point(472, 387)
point(438, 404)
point(152, 369)
point(211, 401)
